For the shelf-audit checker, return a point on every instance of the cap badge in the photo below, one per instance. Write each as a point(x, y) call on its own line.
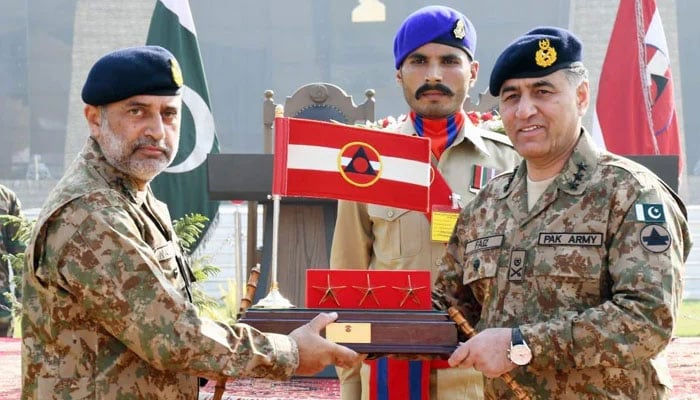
point(546, 55)
point(460, 31)
point(176, 72)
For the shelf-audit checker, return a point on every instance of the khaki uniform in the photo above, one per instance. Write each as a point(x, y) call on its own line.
point(106, 302)
point(9, 205)
point(378, 237)
point(592, 275)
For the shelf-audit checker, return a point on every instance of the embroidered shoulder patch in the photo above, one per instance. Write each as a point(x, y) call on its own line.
point(652, 213)
point(655, 238)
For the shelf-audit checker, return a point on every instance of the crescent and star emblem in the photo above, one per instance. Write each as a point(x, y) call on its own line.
point(654, 212)
point(205, 133)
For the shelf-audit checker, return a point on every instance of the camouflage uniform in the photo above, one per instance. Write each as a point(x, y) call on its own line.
point(594, 288)
point(106, 311)
point(369, 236)
point(9, 205)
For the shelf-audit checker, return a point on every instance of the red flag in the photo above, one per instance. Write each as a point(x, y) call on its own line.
point(321, 159)
point(635, 107)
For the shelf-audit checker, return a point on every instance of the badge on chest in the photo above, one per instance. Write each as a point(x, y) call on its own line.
point(516, 267)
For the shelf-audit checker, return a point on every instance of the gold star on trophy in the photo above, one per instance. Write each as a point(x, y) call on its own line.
point(410, 292)
point(368, 291)
point(328, 291)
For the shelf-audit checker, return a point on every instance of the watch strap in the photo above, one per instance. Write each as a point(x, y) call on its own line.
point(516, 337)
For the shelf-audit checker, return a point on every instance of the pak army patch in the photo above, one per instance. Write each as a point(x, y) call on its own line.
point(655, 238)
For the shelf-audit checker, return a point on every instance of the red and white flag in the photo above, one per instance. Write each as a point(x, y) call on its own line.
point(321, 159)
point(635, 111)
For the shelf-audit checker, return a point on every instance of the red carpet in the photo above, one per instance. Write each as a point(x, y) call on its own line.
point(254, 389)
point(684, 360)
point(10, 382)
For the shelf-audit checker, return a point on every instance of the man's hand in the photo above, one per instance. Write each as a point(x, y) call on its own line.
point(486, 352)
point(315, 352)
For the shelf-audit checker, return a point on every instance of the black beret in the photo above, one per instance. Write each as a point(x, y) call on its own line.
point(434, 24)
point(132, 71)
point(537, 53)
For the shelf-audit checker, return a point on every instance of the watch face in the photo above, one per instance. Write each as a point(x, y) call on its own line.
point(520, 354)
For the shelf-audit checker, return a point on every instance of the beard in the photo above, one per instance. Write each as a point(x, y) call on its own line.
point(122, 154)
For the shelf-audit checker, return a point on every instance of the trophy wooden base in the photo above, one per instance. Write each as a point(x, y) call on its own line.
point(369, 331)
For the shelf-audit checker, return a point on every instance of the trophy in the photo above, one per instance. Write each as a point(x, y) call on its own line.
point(379, 312)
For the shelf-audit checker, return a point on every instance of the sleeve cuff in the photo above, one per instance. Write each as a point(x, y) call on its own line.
point(286, 352)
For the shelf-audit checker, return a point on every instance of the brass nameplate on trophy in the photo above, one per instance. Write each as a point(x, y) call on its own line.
point(349, 332)
point(390, 332)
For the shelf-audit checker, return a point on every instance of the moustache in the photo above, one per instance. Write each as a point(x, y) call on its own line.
point(145, 142)
point(438, 86)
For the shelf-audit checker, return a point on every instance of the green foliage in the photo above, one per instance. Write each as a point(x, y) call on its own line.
point(203, 271)
point(688, 323)
point(16, 262)
point(189, 228)
point(224, 310)
point(231, 302)
point(24, 232)
point(25, 226)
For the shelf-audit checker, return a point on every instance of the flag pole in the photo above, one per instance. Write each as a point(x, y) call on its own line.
point(274, 298)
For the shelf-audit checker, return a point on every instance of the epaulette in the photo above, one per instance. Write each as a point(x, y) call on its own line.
point(637, 170)
point(495, 136)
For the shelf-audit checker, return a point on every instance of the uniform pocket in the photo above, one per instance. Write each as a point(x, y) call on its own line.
point(482, 264)
point(399, 233)
point(168, 263)
point(570, 276)
point(480, 269)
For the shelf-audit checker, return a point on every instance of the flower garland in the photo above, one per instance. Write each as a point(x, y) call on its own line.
point(490, 121)
point(386, 123)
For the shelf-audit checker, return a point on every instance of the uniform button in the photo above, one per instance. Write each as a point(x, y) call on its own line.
point(476, 263)
point(390, 213)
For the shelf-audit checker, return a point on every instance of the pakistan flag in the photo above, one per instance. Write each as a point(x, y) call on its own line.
point(183, 185)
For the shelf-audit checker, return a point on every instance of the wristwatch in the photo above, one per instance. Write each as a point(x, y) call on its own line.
point(519, 352)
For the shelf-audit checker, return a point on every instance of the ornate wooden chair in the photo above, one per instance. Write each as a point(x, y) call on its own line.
point(318, 101)
point(305, 225)
point(485, 103)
